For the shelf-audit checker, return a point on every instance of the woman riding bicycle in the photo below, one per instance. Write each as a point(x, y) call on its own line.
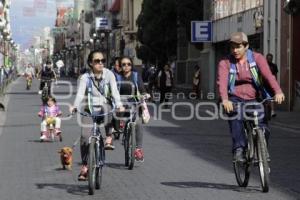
point(238, 82)
point(103, 89)
point(131, 87)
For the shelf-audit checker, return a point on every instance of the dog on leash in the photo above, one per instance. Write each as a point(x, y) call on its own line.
point(66, 157)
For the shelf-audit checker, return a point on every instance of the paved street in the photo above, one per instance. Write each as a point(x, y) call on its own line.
point(184, 160)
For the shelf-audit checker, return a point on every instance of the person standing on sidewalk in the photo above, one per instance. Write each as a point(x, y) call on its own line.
point(165, 82)
point(274, 70)
point(238, 82)
point(196, 81)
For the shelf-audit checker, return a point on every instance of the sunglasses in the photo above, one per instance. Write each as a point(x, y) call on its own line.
point(124, 64)
point(99, 61)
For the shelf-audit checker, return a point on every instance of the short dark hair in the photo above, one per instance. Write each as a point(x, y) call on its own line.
point(91, 56)
point(269, 54)
point(51, 98)
point(48, 62)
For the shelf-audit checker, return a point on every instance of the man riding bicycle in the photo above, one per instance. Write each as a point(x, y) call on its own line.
point(239, 82)
point(46, 74)
point(101, 87)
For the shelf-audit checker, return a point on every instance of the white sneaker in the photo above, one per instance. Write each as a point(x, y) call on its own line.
point(40, 92)
point(43, 137)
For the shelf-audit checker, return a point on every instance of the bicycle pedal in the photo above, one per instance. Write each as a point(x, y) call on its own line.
point(141, 161)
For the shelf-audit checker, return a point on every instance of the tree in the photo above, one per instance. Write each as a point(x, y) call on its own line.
point(157, 27)
point(157, 30)
point(189, 10)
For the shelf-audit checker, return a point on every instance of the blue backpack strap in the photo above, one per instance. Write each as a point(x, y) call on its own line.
point(135, 79)
point(90, 95)
point(118, 80)
point(255, 74)
point(231, 77)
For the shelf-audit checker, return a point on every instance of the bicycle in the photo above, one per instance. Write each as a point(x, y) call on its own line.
point(96, 159)
point(256, 151)
point(51, 135)
point(119, 126)
point(28, 83)
point(129, 134)
point(46, 90)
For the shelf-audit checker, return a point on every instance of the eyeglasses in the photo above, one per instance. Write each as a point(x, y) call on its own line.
point(99, 61)
point(124, 64)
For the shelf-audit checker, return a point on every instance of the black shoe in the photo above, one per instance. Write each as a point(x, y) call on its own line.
point(238, 155)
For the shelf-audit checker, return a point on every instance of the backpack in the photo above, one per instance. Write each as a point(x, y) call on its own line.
point(253, 71)
point(119, 79)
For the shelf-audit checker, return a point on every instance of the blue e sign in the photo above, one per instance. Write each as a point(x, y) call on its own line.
point(201, 31)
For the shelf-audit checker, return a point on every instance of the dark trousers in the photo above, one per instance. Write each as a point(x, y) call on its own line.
point(163, 92)
point(42, 85)
point(236, 125)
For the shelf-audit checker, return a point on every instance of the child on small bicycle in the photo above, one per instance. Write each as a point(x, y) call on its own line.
point(50, 114)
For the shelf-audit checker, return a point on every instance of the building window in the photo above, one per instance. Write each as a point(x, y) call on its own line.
point(225, 8)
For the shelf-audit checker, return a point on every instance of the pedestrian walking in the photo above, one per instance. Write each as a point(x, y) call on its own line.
point(274, 70)
point(197, 81)
point(165, 82)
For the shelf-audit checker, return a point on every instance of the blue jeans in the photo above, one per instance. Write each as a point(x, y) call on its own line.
point(236, 125)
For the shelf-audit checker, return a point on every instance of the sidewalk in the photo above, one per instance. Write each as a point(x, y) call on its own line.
point(3, 102)
point(290, 120)
point(284, 119)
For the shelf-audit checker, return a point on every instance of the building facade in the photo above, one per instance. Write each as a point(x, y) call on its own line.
point(289, 44)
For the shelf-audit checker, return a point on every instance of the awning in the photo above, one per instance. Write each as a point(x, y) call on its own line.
point(115, 6)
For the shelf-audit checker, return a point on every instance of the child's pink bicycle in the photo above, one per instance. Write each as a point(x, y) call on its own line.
point(51, 133)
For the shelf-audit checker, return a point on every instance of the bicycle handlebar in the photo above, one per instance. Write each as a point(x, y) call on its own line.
point(86, 114)
point(255, 102)
point(142, 97)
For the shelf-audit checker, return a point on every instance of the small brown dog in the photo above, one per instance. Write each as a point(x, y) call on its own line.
point(66, 157)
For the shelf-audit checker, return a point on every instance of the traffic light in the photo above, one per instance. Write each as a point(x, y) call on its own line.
point(292, 7)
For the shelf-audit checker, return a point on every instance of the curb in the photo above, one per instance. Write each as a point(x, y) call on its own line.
point(4, 99)
point(284, 125)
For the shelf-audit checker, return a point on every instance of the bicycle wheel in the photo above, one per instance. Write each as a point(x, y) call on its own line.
point(125, 141)
point(264, 169)
point(242, 170)
point(92, 167)
point(249, 134)
point(242, 173)
point(27, 85)
point(52, 135)
point(44, 96)
point(132, 145)
point(101, 156)
point(117, 135)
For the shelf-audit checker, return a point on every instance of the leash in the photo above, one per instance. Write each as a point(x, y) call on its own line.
point(76, 142)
